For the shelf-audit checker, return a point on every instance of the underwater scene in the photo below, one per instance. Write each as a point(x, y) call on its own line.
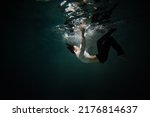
point(39, 62)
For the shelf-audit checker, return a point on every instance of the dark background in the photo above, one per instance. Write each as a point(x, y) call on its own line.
point(36, 65)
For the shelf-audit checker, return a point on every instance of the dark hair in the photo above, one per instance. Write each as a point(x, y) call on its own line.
point(70, 48)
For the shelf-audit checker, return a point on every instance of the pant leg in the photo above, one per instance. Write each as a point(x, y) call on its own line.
point(103, 47)
point(104, 44)
point(116, 46)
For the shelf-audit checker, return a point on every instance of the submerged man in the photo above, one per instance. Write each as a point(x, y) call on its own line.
point(103, 47)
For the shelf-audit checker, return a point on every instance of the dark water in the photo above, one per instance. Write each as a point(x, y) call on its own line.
point(37, 65)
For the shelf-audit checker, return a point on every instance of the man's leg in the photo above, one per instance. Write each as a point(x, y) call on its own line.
point(103, 46)
point(116, 46)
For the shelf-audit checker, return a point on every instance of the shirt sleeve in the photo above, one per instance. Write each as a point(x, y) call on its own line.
point(83, 44)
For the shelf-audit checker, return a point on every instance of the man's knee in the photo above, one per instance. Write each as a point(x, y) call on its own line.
point(102, 59)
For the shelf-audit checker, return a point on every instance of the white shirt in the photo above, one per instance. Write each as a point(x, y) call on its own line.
point(85, 57)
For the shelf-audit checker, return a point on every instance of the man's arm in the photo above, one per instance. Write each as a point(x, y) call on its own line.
point(83, 42)
point(91, 58)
